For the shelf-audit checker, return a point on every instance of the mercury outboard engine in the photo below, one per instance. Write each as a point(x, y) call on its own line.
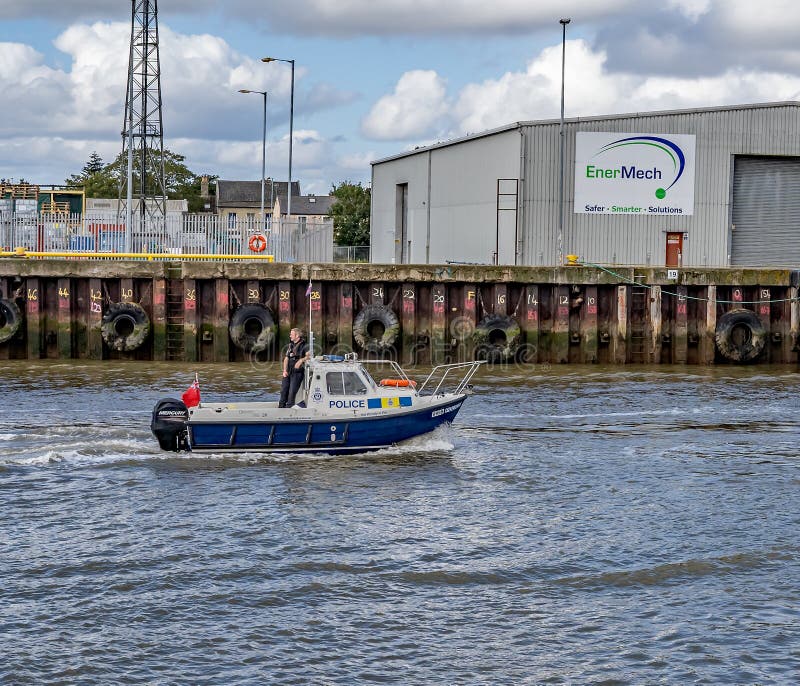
point(169, 424)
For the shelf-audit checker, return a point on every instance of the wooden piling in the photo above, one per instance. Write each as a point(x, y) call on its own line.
point(315, 303)
point(126, 290)
point(33, 319)
point(190, 320)
point(284, 315)
point(619, 339)
point(655, 342)
point(64, 319)
point(794, 322)
point(5, 348)
point(221, 320)
point(500, 299)
point(764, 312)
point(593, 318)
point(560, 337)
point(463, 325)
point(680, 336)
point(253, 292)
point(781, 326)
point(344, 324)
point(158, 319)
point(530, 324)
point(589, 341)
point(408, 323)
point(708, 345)
point(376, 294)
point(438, 323)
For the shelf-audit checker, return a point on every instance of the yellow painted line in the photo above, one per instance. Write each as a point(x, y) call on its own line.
point(132, 255)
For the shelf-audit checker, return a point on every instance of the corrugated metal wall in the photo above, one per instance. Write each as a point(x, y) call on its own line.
point(766, 211)
point(642, 239)
point(721, 133)
point(454, 187)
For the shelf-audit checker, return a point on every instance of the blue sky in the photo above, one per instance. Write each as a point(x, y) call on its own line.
point(372, 78)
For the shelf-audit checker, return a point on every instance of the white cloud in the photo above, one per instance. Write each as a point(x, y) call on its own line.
point(693, 9)
point(591, 90)
point(242, 159)
point(350, 17)
point(414, 108)
point(383, 17)
point(84, 103)
point(766, 23)
point(357, 161)
point(536, 92)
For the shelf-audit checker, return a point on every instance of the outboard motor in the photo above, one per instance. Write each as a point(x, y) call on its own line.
point(169, 424)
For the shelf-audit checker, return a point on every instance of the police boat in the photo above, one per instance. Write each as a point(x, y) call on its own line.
point(340, 408)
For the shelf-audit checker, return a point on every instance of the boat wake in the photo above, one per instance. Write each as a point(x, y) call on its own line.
point(85, 451)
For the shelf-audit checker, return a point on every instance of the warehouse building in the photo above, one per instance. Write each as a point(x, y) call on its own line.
point(712, 187)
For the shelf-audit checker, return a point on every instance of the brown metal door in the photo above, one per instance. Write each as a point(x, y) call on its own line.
point(674, 249)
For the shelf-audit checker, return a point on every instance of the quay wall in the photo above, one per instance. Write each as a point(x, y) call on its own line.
point(417, 314)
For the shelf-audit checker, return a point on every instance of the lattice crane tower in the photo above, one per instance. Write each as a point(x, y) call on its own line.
point(142, 190)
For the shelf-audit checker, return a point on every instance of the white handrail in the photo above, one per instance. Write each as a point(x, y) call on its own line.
point(462, 384)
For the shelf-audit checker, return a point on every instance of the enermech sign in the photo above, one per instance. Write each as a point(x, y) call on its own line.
point(634, 174)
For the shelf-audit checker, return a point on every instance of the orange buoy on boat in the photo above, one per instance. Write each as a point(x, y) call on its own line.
point(399, 383)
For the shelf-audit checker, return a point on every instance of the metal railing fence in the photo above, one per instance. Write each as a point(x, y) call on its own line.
point(351, 253)
point(307, 240)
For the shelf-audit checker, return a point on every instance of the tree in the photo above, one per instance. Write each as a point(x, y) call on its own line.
point(103, 182)
point(350, 214)
point(94, 165)
point(95, 178)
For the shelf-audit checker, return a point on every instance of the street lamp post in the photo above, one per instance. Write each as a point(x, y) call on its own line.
point(563, 23)
point(263, 157)
point(291, 126)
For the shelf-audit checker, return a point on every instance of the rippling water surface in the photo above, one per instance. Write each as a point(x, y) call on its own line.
point(575, 526)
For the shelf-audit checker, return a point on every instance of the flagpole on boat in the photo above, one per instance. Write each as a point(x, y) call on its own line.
point(310, 332)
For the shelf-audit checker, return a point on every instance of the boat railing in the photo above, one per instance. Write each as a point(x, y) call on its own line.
point(397, 370)
point(440, 373)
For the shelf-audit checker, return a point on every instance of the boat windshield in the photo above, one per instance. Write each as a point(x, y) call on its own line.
point(345, 383)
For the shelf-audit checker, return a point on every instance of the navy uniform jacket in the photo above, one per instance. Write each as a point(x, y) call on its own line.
point(296, 351)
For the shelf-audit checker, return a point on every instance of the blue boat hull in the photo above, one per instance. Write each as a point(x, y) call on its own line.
point(333, 436)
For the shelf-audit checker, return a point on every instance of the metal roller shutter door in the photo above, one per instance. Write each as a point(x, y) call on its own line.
point(766, 212)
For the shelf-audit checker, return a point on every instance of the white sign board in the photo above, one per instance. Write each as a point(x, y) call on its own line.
point(634, 173)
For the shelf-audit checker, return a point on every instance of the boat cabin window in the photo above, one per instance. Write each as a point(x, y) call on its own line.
point(345, 383)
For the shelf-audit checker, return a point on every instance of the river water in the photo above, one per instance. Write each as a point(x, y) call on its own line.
point(576, 525)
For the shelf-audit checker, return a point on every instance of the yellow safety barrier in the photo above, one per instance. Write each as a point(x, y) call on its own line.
point(22, 252)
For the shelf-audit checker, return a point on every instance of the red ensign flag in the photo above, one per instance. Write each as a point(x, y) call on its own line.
point(191, 396)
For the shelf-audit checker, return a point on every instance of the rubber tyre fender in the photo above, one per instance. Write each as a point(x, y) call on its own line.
point(369, 315)
point(484, 337)
point(12, 317)
point(241, 328)
point(127, 314)
point(730, 346)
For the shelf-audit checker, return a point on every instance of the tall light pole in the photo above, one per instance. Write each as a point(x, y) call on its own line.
point(291, 125)
point(563, 23)
point(263, 156)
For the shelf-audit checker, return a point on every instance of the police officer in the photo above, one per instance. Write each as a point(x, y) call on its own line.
point(293, 367)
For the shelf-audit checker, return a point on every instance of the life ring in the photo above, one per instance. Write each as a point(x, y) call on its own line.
point(252, 328)
point(497, 338)
point(257, 243)
point(375, 328)
point(399, 383)
point(125, 326)
point(10, 320)
point(740, 336)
